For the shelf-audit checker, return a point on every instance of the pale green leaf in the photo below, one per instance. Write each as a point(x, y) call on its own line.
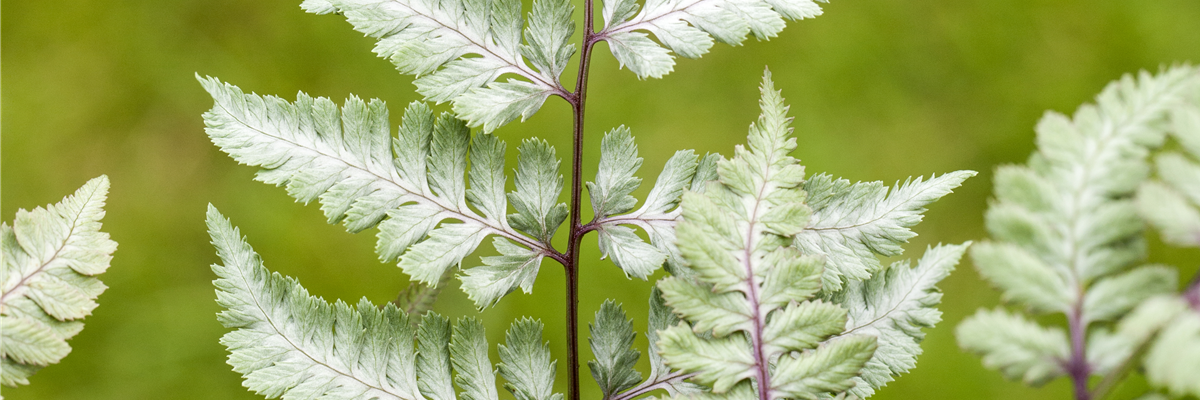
point(1173, 361)
point(549, 36)
point(615, 180)
point(538, 185)
point(515, 267)
point(413, 183)
point(469, 355)
point(801, 326)
point(1023, 278)
point(49, 260)
point(612, 344)
point(433, 358)
point(721, 313)
point(459, 49)
point(1111, 297)
point(1019, 348)
point(851, 223)
point(688, 27)
point(628, 251)
point(525, 362)
point(894, 307)
point(717, 362)
point(829, 369)
point(288, 343)
point(1166, 209)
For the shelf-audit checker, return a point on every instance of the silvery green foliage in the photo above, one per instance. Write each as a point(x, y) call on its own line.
point(1170, 203)
point(748, 306)
point(749, 297)
point(287, 343)
point(48, 283)
point(458, 49)
point(688, 27)
point(853, 223)
point(613, 206)
point(409, 185)
point(612, 344)
point(894, 306)
point(1066, 237)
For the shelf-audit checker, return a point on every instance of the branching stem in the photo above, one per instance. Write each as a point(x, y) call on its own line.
point(577, 231)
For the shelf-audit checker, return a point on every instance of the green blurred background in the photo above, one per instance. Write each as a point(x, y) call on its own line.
point(881, 90)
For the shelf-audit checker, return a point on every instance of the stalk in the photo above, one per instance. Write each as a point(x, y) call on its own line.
point(577, 100)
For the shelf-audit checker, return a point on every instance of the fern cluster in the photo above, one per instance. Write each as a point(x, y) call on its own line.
point(775, 287)
point(1067, 239)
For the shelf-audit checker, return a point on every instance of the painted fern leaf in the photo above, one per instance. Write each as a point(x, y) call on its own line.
point(458, 49)
point(752, 328)
point(409, 185)
point(853, 224)
point(1066, 237)
point(688, 27)
point(51, 257)
point(1171, 204)
point(289, 344)
point(613, 206)
point(894, 306)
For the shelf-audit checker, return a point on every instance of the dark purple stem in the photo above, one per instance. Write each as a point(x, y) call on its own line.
point(1077, 366)
point(571, 265)
point(1192, 293)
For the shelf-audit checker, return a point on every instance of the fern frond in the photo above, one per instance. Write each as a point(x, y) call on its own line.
point(409, 185)
point(853, 223)
point(894, 306)
point(459, 49)
point(48, 284)
point(1066, 236)
point(612, 343)
point(613, 206)
point(751, 292)
point(287, 343)
point(688, 27)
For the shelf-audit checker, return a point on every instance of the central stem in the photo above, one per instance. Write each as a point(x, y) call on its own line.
point(577, 101)
point(1077, 365)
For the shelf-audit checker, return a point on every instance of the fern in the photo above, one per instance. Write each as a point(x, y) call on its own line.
point(432, 39)
point(688, 27)
point(407, 187)
point(1067, 238)
point(51, 257)
point(775, 286)
point(1172, 359)
point(289, 344)
point(753, 327)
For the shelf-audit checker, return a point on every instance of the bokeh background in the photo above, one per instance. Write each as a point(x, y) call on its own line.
point(881, 90)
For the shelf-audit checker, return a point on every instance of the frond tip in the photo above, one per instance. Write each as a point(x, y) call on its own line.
point(287, 343)
point(750, 319)
point(51, 257)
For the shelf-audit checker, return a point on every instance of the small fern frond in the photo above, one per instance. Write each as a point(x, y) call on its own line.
point(287, 343)
point(615, 216)
point(751, 328)
point(853, 224)
point(1066, 235)
point(48, 284)
point(688, 27)
point(459, 49)
point(408, 185)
